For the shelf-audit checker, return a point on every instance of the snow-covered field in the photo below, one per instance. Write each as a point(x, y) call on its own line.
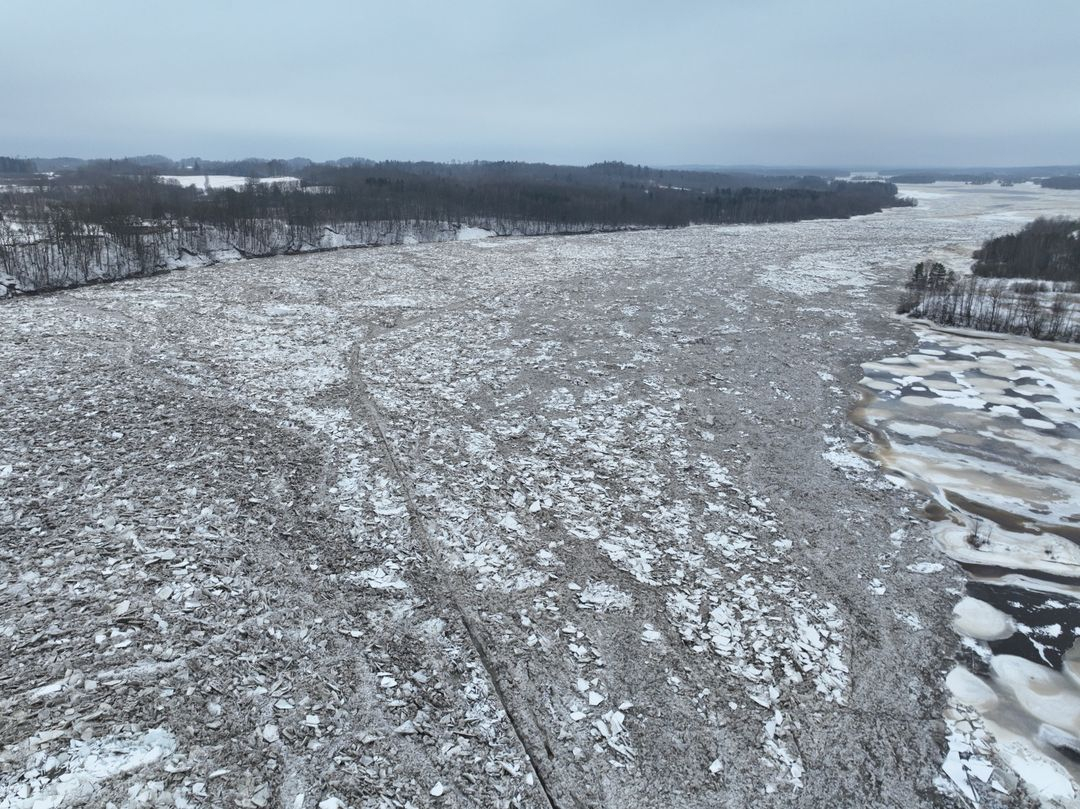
point(218, 181)
point(562, 521)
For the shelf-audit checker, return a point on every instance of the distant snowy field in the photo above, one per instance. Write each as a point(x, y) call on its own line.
point(219, 181)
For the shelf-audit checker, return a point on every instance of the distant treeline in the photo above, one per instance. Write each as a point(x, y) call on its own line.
point(118, 212)
point(115, 193)
point(610, 174)
point(15, 165)
point(1068, 182)
point(924, 178)
point(160, 164)
point(1047, 249)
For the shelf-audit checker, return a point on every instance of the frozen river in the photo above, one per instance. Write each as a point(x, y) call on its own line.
point(515, 522)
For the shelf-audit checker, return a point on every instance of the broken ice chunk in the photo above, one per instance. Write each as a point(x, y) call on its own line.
point(926, 567)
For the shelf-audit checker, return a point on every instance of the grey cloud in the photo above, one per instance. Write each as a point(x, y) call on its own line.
point(778, 81)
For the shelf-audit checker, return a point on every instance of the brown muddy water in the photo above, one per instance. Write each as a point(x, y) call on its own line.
point(989, 429)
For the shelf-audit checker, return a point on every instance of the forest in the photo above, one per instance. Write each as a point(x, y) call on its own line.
point(1046, 249)
point(101, 220)
point(1065, 182)
point(15, 165)
point(1023, 283)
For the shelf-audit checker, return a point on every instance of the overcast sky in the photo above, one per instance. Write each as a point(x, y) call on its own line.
point(779, 82)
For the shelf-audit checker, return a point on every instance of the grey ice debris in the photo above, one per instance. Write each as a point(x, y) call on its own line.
point(649, 634)
point(611, 729)
point(382, 578)
point(926, 567)
point(602, 597)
